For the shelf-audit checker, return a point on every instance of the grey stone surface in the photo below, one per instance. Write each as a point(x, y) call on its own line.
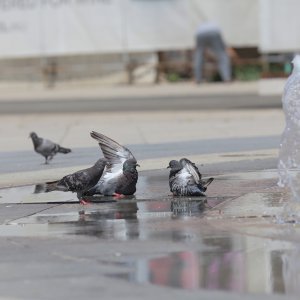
point(154, 245)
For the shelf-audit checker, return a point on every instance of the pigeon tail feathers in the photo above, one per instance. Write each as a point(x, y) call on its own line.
point(51, 186)
point(63, 150)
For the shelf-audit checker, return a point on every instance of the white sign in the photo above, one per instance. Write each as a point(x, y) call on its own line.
point(61, 27)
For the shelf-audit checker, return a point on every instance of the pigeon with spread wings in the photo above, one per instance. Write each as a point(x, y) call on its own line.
point(185, 179)
point(120, 175)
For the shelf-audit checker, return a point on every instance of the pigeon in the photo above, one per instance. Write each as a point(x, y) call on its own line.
point(120, 175)
point(80, 181)
point(46, 147)
point(185, 179)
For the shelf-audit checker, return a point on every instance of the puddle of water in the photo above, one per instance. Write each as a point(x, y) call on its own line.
point(147, 188)
point(215, 261)
point(233, 263)
point(114, 220)
point(34, 194)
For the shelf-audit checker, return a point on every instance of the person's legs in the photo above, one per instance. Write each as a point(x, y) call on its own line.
point(224, 64)
point(198, 58)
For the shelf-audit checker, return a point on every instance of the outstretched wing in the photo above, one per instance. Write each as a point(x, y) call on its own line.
point(115, 153)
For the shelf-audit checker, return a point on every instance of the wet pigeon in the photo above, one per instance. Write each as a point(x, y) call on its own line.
point(80, 181)
point(120, 175)
point(185, 179)
point(46, 147)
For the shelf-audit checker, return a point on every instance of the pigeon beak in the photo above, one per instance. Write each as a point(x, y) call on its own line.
point(137, 165)
point(168, 167)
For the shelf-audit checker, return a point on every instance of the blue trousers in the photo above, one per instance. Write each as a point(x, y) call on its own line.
point(214, 41)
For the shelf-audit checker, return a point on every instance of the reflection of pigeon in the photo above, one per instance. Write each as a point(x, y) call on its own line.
point(187, 207)
point(46, 148)
point(39, 188)
point(80, 181)
point(185, 179)
point(120, 175)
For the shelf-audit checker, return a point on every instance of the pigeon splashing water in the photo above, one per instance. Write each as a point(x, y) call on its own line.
point(46, 147)
point(185, 179)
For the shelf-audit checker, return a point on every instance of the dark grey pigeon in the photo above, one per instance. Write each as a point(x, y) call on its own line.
point(79, 182)
point(120, 175)
point(185, 179)
point(46, 147)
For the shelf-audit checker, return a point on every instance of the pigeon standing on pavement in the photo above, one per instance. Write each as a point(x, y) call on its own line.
point(46, 147)
point(120, 175)
point(80, 181)
point(185, 179)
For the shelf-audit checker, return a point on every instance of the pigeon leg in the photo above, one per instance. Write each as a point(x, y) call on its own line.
point(118, 196)
point(84, 202)
point(46, 160)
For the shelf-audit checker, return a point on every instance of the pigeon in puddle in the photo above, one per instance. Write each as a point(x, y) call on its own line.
point(185, 179)
point(79, 182)
point(46, 147)
point(120, 175)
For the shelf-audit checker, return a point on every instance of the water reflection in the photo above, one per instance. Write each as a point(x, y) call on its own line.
point(115, 221)
point(39, 188)
point(235, 263)
point(120, 223)
point(182, 207)
point(291, 271)
point(212, 259)
point(123, 219)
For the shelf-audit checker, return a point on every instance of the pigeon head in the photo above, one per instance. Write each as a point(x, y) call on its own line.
point(174, 164)
point(130, 165)
point(33, 135)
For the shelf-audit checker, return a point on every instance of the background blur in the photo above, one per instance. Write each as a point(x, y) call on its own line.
point(51, 42)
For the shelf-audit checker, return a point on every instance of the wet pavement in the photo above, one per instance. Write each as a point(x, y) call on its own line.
point(226, 262)
point(229, 243)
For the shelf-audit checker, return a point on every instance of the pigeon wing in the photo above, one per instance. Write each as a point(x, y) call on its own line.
point(46, 147)
point(185, 160)
point(193, 172)
point(190, 168)
point(185, 185)
point(74, 182)
point(115, 153)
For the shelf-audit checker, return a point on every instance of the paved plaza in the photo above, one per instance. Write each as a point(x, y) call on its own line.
point(230, 245)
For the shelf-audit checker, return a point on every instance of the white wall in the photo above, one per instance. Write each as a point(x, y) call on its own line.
point(61, 27)
point(279, 25)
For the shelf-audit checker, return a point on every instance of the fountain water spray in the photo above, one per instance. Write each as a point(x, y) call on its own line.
point(289, 151)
